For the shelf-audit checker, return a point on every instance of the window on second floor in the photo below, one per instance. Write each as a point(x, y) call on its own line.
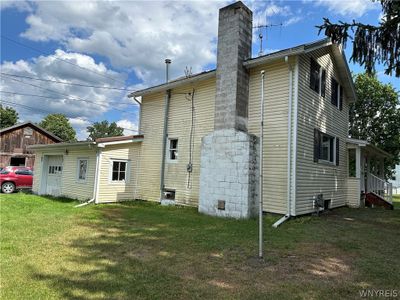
point(317, 78)
point(336, 94)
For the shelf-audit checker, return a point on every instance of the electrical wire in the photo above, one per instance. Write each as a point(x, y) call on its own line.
point(73, 98)
point(67, 83)
point(42, 96)
point(91, 122)
point(191, 142)
point(60, 59)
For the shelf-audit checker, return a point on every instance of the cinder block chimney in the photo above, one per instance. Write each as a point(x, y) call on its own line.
point(229, 156)
point(234, 46)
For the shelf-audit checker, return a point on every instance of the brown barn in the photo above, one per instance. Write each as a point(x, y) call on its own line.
point(15, 139)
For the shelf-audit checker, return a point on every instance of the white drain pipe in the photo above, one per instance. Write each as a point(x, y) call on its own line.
point(289, 156)
point(85, 203)
point(260, 208)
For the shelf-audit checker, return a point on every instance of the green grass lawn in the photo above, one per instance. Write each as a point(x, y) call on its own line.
point(138, 250)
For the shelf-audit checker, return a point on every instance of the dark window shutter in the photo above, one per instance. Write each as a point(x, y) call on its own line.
point(314, 75)
point(341, 98)
point(334, 91)
point(323, 83)
point(317, 141)
point(332, 146)
point(337, 151)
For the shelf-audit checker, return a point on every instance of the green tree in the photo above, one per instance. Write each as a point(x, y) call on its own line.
point(375, 116)
point(104, 129)
point(59, 125)
point(8, 117)
point(371, 44)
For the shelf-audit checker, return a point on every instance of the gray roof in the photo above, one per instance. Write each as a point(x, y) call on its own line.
point(253, 62)
point(31, 124)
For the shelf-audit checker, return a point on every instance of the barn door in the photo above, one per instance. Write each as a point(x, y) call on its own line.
point(54, 174)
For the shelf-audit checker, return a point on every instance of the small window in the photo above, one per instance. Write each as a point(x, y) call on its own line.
point(118, 171)
point(336, 94)
point(173, 149)
point(55, 169)
point(82, 168)
point(317, 78)
point(326, 148)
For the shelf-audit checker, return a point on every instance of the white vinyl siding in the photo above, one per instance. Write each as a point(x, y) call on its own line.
point(276, 91)
point(70, 187)
point(315, 111)
point(185, 184)
point(122, 189)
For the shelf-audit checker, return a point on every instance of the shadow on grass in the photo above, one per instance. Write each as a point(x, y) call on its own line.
point(144, 251)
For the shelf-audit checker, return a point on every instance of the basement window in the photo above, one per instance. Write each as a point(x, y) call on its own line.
point(317, 78)
point(173, 149)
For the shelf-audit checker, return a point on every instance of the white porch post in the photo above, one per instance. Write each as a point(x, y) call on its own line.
point(368, 170)
point(362, 170)
point(382, 168)
point(358, 162)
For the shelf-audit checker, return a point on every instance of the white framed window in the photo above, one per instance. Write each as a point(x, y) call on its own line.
point(173, 149)
point(119, 171)
point(326, 148)
point(82, 169)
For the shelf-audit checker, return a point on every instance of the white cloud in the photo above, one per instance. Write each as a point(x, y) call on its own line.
point(80, 125)
point(136, 35)
point(353, 8)
point(79, 103)
point(292, 20)
point(19, 5)
point(129, 127)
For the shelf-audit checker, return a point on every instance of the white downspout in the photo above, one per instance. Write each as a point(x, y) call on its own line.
point(295, 132)
point(260, 208)
point(97, 176)
point(96, 180)
point(289, 155)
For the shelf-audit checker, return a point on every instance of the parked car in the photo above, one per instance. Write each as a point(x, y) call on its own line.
point(13, 178)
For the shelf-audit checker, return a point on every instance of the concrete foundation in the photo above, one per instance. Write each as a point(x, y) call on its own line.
point(229, 174)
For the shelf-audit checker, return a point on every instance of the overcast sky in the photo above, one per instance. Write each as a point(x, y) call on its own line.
point(123, 44)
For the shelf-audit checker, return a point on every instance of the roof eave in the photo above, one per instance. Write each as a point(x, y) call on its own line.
point(173, 84)
point(60, 145)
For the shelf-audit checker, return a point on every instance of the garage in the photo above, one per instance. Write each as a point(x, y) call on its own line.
point(53, 171)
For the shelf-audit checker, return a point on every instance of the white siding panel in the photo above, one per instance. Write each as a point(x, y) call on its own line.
point(179, 126)
point(119, 191)
point(315, 111)
point(276, 97)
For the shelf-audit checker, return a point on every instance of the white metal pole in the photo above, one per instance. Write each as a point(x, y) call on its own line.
point(260, 209)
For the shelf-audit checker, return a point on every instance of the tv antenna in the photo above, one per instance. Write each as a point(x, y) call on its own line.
point(260, 34)
point(188, 72)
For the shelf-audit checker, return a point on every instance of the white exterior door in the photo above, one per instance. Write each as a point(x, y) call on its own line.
point(54, 174)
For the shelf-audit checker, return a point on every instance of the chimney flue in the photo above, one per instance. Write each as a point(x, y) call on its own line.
point(167, 63)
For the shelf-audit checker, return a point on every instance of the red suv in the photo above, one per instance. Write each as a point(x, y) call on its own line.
point(12, 178)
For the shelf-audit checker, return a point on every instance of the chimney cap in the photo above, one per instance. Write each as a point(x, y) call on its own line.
point(167, 61)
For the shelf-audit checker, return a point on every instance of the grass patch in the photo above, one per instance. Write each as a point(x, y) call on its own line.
point(51, 250)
